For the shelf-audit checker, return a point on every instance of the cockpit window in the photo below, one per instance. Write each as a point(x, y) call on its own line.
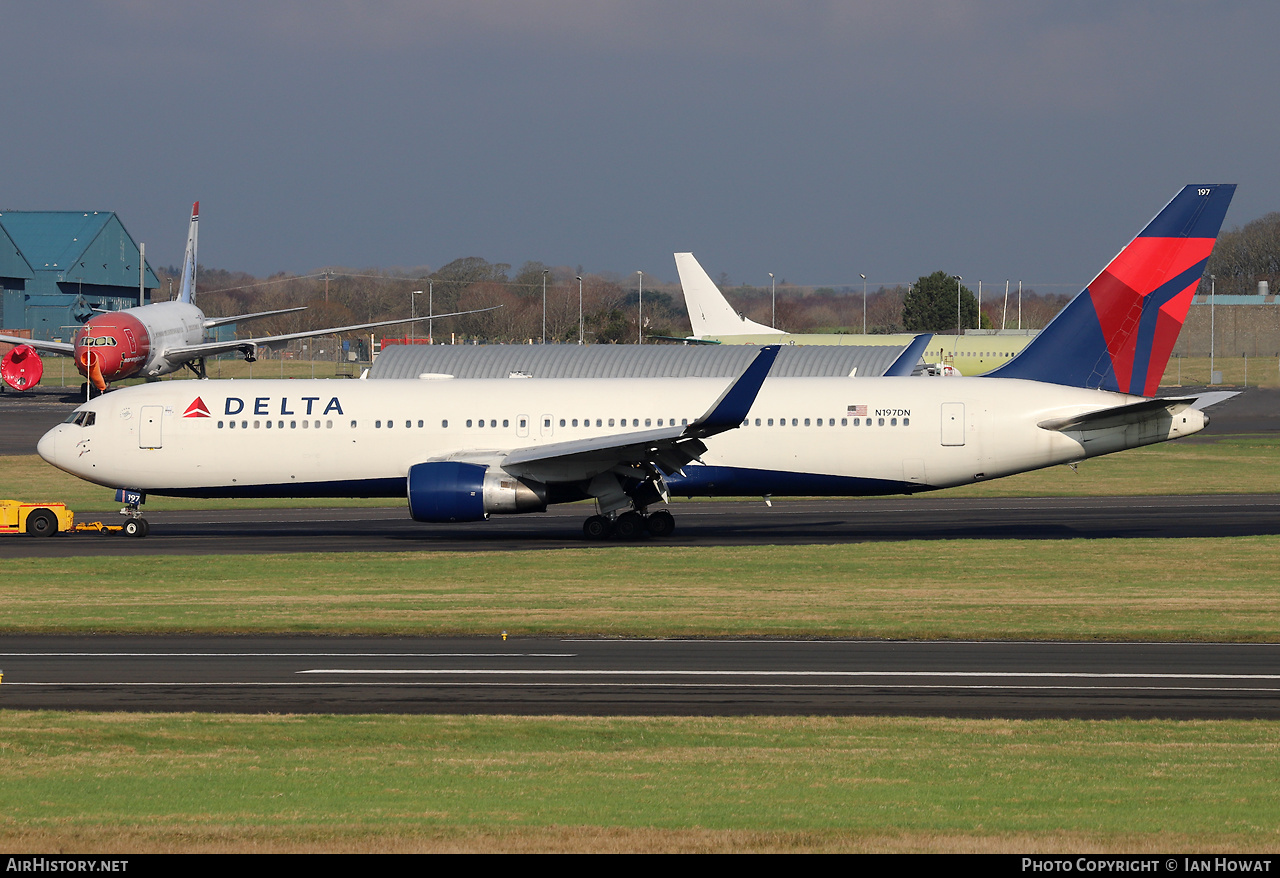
point(81, 419)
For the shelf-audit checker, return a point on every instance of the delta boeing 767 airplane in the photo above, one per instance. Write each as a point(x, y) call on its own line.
point(462, 450)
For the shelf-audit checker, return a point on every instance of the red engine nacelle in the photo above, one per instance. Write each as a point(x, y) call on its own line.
point(110, 347)
point(21, 368)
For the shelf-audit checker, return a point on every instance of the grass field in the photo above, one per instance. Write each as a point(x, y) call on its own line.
point(1189, 589)
point(119, 782)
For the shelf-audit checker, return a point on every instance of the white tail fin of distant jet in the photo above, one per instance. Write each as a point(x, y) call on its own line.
point(188, 291)
point(709, 312)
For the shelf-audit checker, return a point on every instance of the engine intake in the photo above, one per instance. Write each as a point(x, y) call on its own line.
point(455, 491)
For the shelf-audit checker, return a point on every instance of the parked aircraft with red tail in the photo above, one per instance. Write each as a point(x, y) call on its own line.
point(153, 340)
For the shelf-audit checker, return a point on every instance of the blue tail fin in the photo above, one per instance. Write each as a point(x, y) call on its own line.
point(1119, 332)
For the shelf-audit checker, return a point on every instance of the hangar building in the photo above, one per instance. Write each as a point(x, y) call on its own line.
point(56, 266)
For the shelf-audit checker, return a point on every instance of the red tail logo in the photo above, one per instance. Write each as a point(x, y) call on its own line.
point(197, 409)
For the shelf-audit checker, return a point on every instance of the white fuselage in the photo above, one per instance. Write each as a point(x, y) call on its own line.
point(809, 436)
point(169, 325)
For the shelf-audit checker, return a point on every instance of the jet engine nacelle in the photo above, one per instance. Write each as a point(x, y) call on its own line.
point(21, 368)
point(450, 490)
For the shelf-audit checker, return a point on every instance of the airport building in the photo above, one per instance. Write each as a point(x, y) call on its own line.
point(626, 361)
point(57, 266)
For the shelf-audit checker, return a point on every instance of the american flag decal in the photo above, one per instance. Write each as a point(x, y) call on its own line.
point(858, 411)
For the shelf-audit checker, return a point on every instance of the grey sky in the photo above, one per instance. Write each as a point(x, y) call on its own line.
point(814, 140)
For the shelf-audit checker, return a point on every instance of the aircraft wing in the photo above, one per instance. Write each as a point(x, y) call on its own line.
point(666, 448)
point(53, 347)
point(211, 322)
point(249, 345)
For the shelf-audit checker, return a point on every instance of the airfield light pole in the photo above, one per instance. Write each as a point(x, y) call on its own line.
point(958, 279)
point(413, 314)
point(773, 297)
point(864, 303)
point(544, 306)
point(640, 318)
point(1212, 290)
point(580, 333)
point(431, 288)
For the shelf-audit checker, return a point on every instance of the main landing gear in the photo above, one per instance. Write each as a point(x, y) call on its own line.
point(631, 525)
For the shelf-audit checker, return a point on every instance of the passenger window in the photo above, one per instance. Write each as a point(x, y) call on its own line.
point(353, 425)
point(648, 422)
point(771, 422)
point(893, 422)
point(256, 424)
point(793, 422)
point(880, 421)
point(806, 422)
point(906, 422)
point(444, 424)
point(468, 422)
point(506, 423)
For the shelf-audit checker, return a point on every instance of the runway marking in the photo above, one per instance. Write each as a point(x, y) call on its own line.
point(549, 672)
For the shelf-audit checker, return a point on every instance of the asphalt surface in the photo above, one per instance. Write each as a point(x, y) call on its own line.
point(698, 523)
point(641, 677)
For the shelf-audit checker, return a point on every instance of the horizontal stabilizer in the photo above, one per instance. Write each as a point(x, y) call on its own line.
point(1119, 416)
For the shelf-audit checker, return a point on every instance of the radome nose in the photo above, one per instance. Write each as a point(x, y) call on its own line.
point(47, 447)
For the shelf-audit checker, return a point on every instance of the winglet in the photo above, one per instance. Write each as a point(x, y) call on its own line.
point(709, 311)
point(733, 405)
point(910, 357)
point(188, 291)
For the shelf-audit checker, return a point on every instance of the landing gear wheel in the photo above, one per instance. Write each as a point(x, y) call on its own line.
point(660, 523)
point(42, 523)
point(136, 527)
point(629, 526)
point(596, 528)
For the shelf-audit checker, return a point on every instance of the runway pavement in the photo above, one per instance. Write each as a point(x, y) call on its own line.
point(698, 523)
point(641, 677)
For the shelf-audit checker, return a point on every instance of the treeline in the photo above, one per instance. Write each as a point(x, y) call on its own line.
point(1244, 256)
point(343, 297)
